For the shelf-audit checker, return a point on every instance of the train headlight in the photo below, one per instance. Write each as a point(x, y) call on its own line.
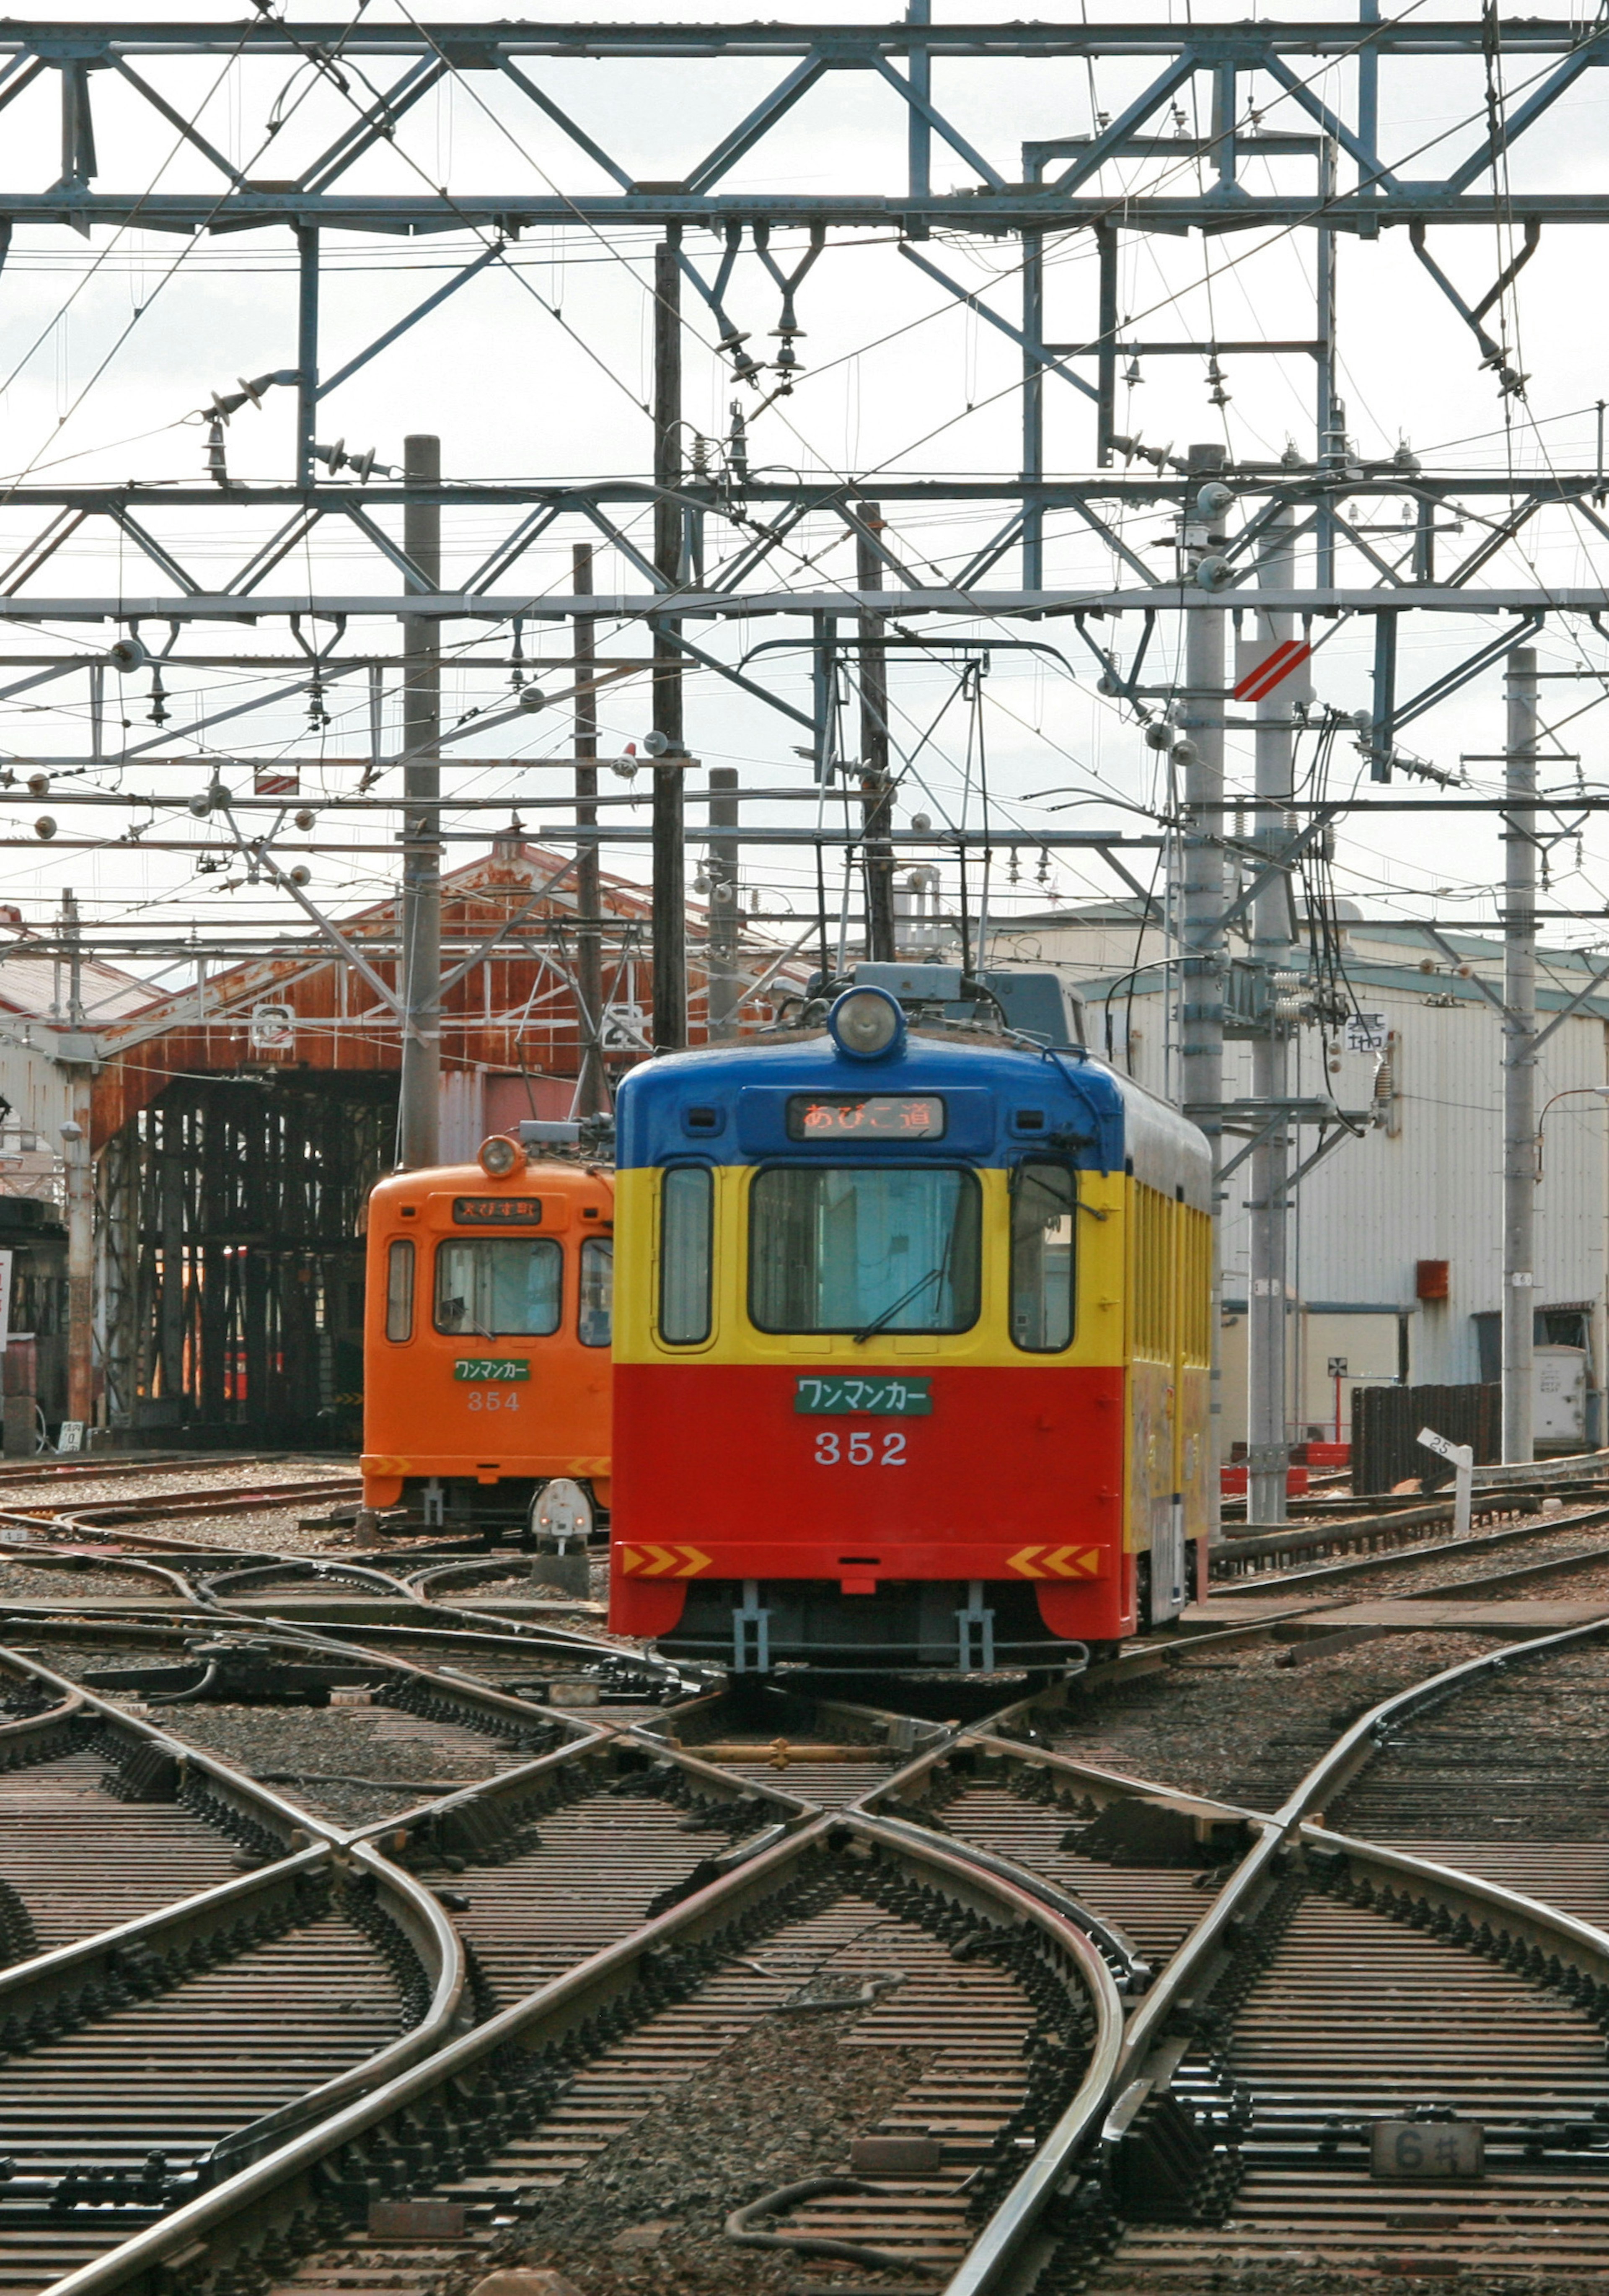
point(866, 1023)
point(499, 1155)
point(562, 1511)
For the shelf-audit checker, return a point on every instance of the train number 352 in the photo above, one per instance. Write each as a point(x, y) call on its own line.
point(860, 1449)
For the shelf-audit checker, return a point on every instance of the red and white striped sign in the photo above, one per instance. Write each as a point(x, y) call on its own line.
point(1272, 671)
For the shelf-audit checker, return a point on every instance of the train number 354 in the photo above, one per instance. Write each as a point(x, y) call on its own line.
point(862, 1448)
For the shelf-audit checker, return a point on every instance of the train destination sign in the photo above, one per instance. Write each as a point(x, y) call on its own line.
point(865, 1116)
point(890, 1397)
point(492, 1367)
point(496, 1211)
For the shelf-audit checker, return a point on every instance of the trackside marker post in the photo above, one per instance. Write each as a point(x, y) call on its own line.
point(1462, 1456)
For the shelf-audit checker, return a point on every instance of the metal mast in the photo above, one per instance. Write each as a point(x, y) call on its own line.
point(1519, 1058)
point(670, 827)
point(1267, 1308)
point(1202, 961)
point(419, 1114)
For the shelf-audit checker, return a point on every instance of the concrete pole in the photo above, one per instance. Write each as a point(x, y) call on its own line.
point(80, 1251)
point(1201, 910)
point(721, 963)
point(592, 1099)
point(670, 832)
point(1519, 1060)
point(876, 788)
point(419, 1129)
point(1267, 1308)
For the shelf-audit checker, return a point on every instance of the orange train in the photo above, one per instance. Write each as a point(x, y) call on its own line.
point(486, 1387)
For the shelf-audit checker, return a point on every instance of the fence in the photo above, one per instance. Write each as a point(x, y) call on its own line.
point(1385, 1431)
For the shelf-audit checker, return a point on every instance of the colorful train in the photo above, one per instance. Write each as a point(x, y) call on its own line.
point(912, 1348)
point(489, 1323)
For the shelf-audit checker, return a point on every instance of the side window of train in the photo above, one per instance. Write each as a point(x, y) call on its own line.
point(1044, 1232)
point(399, 1289)
point(595, 1327)
point(686, 1236)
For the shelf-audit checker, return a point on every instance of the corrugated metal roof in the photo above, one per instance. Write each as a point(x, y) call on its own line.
point(33, 985)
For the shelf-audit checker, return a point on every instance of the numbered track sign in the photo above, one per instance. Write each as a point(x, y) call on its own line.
point(1402, 2149)
point(820, 1396)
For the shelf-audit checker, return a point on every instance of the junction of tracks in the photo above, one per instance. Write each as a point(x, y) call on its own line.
point(374, 1920)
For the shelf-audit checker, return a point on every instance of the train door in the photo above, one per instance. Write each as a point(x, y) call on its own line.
point(1170, 1574)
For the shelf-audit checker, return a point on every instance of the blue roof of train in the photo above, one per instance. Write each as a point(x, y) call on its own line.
point(746, 1087)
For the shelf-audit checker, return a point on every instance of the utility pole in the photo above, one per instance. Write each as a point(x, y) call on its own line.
point(419, 1127)
point(593, 1098)
point(669, 884)
point(721, 961)
point(876, 785)
point(1201, 902)
point(1519, 1058)
point(1267, 1309)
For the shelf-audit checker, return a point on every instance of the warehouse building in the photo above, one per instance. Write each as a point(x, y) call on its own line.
point(1396, 1236)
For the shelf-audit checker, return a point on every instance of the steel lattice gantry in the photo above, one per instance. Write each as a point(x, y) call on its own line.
point(1331, 80)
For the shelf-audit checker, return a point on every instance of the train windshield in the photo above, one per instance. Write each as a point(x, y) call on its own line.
point(1044, 1210)
point(864, 1249)
point(498, 1287)
point(597, 1313)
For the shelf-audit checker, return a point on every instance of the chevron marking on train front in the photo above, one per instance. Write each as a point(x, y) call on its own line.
point(1075, 1563)
point(1023, 1560)
point(695, 1562)
point(663, 1558)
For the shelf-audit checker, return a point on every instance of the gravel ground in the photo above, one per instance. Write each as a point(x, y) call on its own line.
point(192, 1475)
point(369, 1743)
point(272, 1530)
point(1405, 1572)
point(72, 1656)
point(647, 2213)
point(88, 1582)
point(1242, 1728)
point(269, 1529)
point(1586, 1584)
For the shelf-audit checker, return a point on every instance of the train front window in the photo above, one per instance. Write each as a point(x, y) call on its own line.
point(1044, 1212)
point(595, 1322)
point(498, 1287)
point(864, 1249)
point(399, 1289)
point(687, 1217)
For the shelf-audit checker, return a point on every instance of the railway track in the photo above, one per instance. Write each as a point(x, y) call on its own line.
point(903, 1997)
point(922, 1929)
point(148, 2040)
point(1339, 1981)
